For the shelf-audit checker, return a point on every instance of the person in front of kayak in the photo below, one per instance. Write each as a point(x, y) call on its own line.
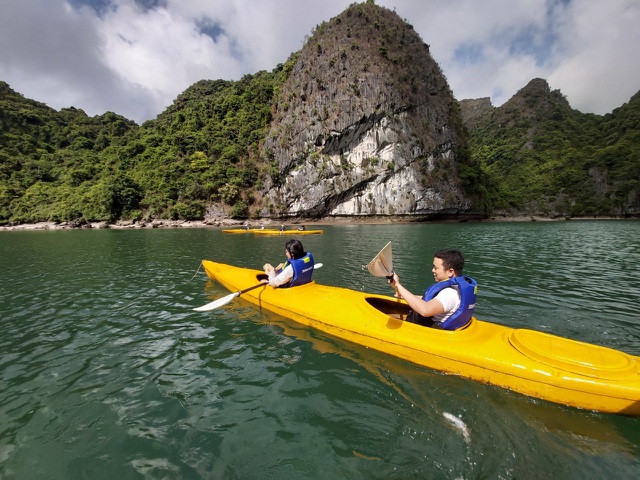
point(449, 303)
point(297, 270)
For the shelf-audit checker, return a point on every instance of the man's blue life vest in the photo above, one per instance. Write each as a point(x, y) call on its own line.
point(468, 289)
point(302, 270)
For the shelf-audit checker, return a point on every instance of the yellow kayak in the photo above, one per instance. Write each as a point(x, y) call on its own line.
point(238, 230)
point(269, 231)
point(526, 361)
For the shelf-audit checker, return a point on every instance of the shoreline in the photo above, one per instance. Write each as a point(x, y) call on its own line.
point(229, 223)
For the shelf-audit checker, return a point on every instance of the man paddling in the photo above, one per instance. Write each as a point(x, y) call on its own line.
point(449, 303)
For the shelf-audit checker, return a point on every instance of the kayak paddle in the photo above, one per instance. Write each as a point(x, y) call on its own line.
point(382, 264)
point(224, 300)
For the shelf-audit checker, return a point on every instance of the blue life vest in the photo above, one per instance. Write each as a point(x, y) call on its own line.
point(302, 270)
point(468, 289)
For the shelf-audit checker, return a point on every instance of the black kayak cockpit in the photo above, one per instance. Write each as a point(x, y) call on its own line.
point(392, 308)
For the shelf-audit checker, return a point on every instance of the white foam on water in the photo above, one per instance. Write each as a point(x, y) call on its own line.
point(459, 424)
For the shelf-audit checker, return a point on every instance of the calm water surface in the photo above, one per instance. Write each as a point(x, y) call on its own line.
point(106, 372)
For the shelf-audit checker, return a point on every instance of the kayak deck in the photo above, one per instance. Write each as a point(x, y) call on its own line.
point(532, 363)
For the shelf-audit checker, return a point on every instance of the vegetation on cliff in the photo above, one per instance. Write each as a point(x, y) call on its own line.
point(546, 158)
point(203, 149)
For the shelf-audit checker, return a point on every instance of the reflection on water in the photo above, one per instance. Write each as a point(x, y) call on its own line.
point(106, 372)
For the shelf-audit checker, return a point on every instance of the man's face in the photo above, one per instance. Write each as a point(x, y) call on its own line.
point(439, 272)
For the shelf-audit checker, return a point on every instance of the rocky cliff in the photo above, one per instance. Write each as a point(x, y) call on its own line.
point(475, 111)
point(366, 124)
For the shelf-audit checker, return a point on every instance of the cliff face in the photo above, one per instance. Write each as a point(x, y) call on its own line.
point(365, 125)
point(475, 111)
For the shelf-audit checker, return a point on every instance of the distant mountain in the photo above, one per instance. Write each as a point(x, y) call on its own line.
point(546, 158)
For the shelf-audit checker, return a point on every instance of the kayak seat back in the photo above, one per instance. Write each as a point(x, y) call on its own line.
point(574, 356)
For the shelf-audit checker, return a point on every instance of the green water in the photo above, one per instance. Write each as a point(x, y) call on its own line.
point(107, 373)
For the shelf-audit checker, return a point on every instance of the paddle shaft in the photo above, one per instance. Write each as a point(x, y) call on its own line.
point(248, 289)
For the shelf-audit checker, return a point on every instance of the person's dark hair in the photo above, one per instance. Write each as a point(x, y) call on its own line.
point(295, 248)
point(451, 259)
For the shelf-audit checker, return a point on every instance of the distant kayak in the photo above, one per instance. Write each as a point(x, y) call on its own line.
point(272, 231)
point(287, 232)
point(529, 362)
point(238, 230)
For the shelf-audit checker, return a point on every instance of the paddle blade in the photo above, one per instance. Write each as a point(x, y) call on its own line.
point(217, 303)
point(382, 264)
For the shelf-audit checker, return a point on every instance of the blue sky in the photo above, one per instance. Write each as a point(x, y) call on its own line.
point(134, 57)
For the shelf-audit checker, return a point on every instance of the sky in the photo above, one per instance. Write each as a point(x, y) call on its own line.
point(134, 57)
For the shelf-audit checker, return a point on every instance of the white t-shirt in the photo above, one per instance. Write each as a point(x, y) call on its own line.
point(450, 299)
point(283, 277)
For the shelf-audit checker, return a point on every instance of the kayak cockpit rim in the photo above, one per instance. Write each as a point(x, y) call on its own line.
point(399, 310)
point(395, 309)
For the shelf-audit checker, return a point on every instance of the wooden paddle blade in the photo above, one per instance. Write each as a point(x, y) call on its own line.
point(382, 264)
point(217, 303)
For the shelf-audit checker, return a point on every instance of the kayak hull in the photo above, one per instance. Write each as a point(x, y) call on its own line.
point(271, 231)
point(526, 361)
point(287, 232)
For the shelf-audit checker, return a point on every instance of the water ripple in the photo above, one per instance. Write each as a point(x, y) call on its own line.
point(107, 372)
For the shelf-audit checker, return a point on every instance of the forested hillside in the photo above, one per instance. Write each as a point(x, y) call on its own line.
point(52, 163)
point(546, 158)
point(203, 149)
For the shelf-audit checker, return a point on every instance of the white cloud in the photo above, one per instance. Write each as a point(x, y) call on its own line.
point(53, 53)
point(162, 52)
point(591, 60)
point(135, 61)
point(596, 66)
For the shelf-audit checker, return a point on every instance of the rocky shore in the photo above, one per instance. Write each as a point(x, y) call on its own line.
point(267, 222)
point(119, 225)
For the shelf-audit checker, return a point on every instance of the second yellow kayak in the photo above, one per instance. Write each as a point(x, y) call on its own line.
point(287, 232)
